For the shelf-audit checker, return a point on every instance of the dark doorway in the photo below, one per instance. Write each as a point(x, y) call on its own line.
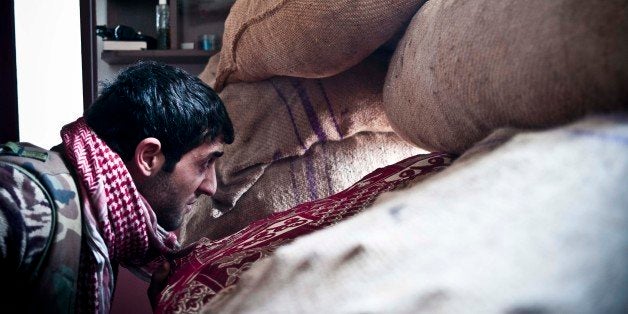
point(88, 51)
point(9, 128)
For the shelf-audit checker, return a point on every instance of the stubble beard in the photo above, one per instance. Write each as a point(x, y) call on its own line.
point(156, 192)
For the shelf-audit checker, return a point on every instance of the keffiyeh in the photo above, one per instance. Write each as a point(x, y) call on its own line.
point(119, 224)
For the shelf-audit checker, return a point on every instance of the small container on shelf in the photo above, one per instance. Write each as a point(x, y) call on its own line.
point(208, 42)
point(162, 19)
point(187, 46)
point(182, 24)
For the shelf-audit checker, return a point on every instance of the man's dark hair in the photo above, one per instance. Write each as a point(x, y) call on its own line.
point(151, 99)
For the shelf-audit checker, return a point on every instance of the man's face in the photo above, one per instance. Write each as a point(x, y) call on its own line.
point(172, 194)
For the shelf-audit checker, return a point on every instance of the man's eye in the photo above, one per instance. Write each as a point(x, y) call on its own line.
point(208, 163)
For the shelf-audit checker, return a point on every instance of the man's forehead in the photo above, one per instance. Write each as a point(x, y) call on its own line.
point(216, 142)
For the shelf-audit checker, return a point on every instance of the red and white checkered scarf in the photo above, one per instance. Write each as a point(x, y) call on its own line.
point(119, 224)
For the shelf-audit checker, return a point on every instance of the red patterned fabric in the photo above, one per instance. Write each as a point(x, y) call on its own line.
point(120, 225)
point(212, 267)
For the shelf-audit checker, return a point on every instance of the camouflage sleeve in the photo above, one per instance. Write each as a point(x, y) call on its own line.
point(25, 222)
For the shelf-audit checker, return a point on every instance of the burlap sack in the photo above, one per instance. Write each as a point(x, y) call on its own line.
point(282, 118)
point(470, 67)
point(326, 168)
point(539, 225)
point(208, 75)
point(305, 38)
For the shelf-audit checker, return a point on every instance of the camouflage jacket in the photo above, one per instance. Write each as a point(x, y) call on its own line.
point(40, 242)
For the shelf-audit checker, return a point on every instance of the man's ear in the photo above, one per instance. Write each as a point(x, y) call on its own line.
point(148, 158)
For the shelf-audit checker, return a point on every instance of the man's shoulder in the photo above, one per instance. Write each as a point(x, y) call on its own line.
point(40, 222)
point(26, 218)
point(48, 167)
point(38, 193)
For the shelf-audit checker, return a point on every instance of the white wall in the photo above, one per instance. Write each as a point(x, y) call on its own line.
point(48, 59)
point(49, 67)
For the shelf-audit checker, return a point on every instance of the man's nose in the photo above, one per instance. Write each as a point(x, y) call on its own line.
point(208, 186)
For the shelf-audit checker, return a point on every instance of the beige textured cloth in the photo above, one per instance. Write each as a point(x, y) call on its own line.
point(467, 67)
point(326, 169)
point(305, 38)
point(539, 225)
point(282, 117)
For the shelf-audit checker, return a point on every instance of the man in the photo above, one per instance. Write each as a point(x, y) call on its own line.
point(123, 177)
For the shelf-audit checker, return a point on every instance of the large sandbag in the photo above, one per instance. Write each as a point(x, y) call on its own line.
point(467, 67)
point(305, 38)
point(539, 225)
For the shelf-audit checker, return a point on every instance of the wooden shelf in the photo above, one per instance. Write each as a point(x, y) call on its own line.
point(167, 56)
point(189, 19)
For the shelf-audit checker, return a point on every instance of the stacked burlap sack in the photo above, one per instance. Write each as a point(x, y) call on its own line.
point(465, 68)
point(301, 78)
point(297, 140)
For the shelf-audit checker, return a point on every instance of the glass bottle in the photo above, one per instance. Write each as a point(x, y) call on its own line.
point(163, 25)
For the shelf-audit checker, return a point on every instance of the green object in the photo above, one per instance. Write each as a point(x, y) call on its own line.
point(15, 149)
